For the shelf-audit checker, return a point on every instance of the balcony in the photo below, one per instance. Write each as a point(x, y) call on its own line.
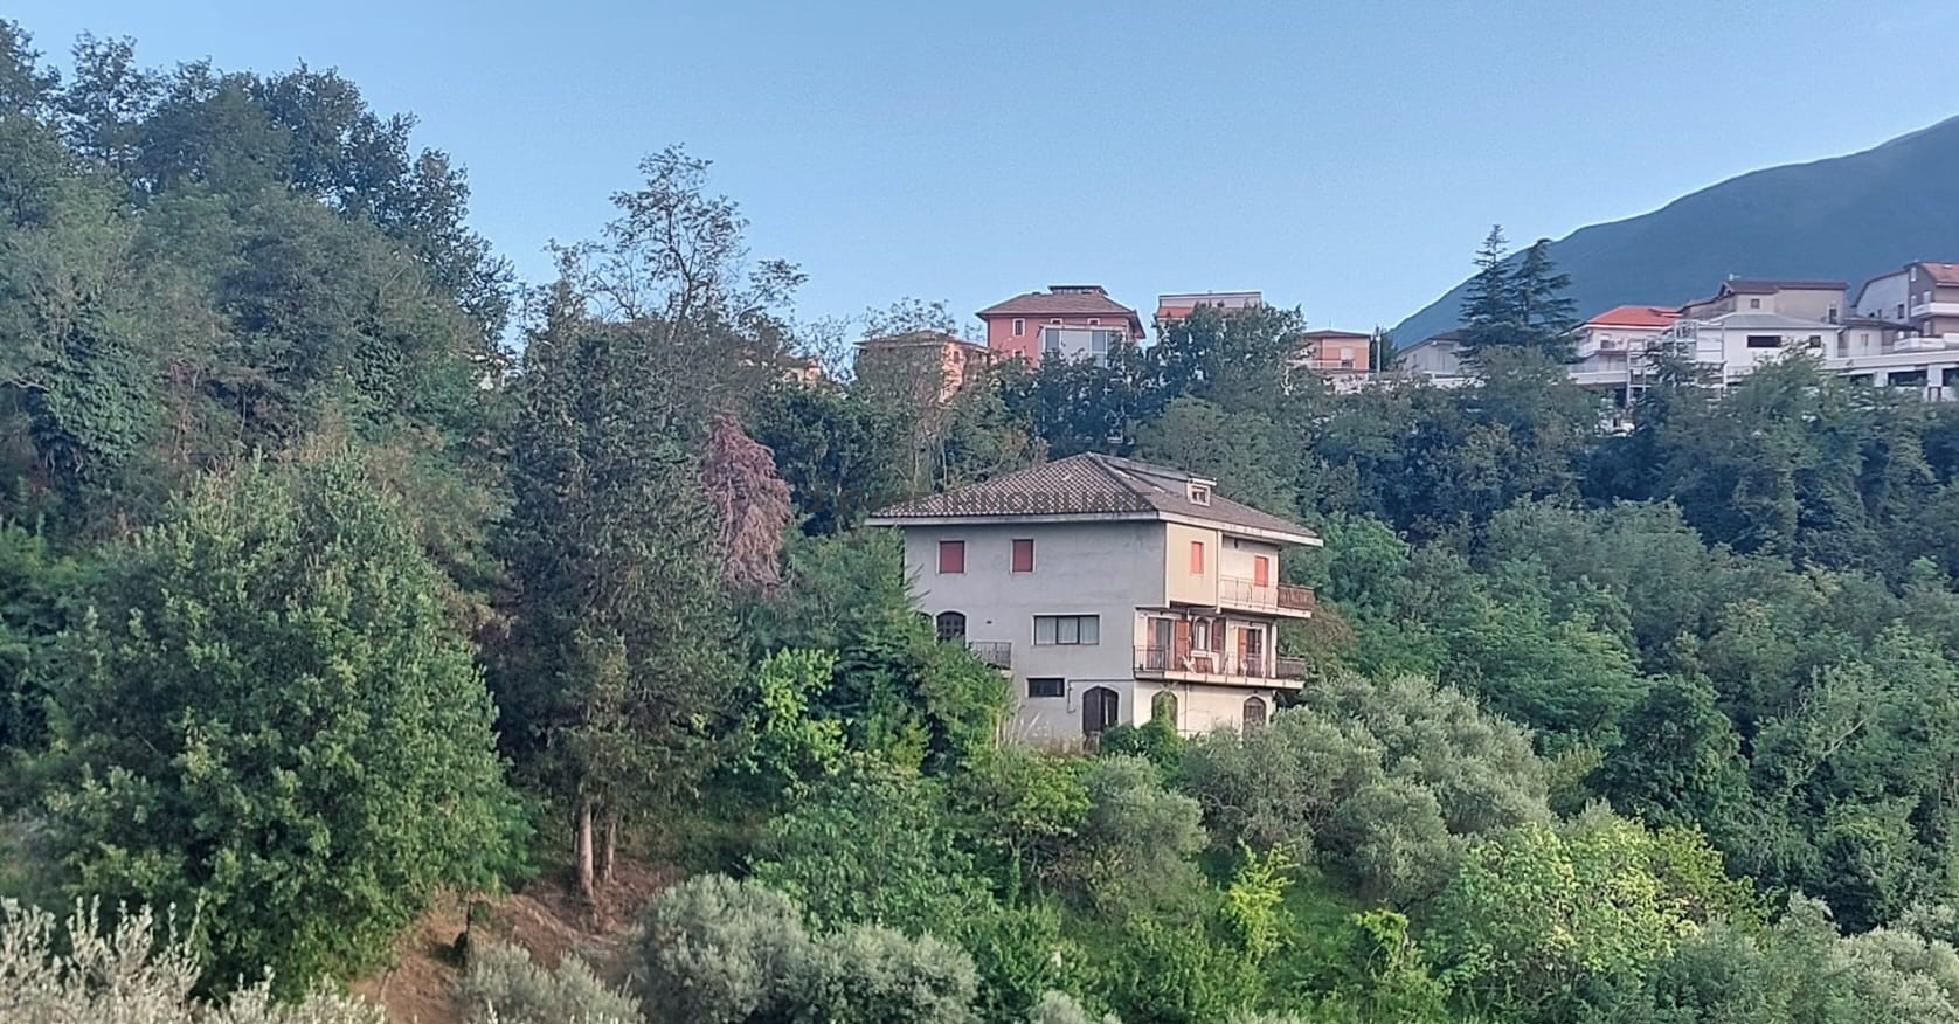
point(1218, 666)
point(995, 653)
point(1283, 599)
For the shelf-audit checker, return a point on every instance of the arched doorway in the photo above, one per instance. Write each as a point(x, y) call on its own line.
point(951, 627)
point(1163, 708)
point(1099, 707)
point(1254, 713)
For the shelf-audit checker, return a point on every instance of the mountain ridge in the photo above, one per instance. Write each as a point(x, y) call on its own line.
point(1848, 217)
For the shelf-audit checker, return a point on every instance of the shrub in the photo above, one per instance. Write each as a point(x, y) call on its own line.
point(1534, 918)
point(1020, 808)
point(75, 972)
point(503, 986)
point(873, 846)
point(712, 950)
point(869, 974)
point(1061, 1008)
point(1134, 846)
point(1175, 974)
point(276, 720)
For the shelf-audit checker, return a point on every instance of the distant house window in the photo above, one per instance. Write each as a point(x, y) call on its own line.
point(1067, 630)
point(1200, 494)
point(952, 556)
point(1754, 303)
point(950, 626)
point(1254, 713)
point(1901, 311)
point(1047, 686)
point(1092, 321)
point(1197, 558)
point(1261, 571)
point(1023, 556)
point(1020, 327)
point(1833, 314)
point(1764, 341)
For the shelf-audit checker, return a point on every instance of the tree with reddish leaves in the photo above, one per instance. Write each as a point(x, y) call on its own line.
point(738, 476)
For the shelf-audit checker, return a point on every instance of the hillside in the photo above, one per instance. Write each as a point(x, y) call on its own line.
point(1846, 218)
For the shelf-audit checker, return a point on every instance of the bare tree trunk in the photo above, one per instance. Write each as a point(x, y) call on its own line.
point(582, 852)
point(609, 852)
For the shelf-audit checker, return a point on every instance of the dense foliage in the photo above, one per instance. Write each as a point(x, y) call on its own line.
point(307, 584)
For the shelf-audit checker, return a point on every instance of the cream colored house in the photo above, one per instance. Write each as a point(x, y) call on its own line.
point(1110, 591)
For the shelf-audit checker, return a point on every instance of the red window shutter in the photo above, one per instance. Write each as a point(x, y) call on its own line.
point(1023, 556)
point(1261, 572)
point(1182, 650)
point(1197, 558)
point(952, 556)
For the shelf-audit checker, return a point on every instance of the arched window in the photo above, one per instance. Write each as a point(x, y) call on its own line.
point(951, 626)
point(1163, 708)
point(1254, 713)
point(1099, 708)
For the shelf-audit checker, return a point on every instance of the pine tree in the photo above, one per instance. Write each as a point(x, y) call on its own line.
point(1489, 311)
point(1539, 303)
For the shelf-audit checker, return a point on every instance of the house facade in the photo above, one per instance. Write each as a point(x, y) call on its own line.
point(953, 359)
point(1335, 352)
point(1798, 300)
point(1109, 592)
point(1068, 321)
point(1922, 296)
point(1174, 307)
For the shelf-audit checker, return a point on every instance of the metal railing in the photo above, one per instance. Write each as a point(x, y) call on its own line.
point(1218, 663)
point(995, 653)
point(1240, 592)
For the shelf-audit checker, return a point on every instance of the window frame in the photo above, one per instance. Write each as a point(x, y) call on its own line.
point(1060, 686)
point(958, 548)
point(1020, 326)
point(1085, 630)
point(1197, 563)
point(1014, 560)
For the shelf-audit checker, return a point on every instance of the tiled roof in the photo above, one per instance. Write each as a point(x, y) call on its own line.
point(1089, 484)
point(1635, 316)
point(1767, 321)
point(1317, 335)
point(1755, 286)
point(911, 339)
point(1942, 273)
point(1061, 300)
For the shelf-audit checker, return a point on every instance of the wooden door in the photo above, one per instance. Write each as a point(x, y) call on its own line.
point(1099, 707)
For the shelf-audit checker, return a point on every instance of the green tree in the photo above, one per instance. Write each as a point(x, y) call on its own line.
point(273, 721)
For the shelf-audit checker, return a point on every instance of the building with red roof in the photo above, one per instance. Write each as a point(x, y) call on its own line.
point(1068, 321)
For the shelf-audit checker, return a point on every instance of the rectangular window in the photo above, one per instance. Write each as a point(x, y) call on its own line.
point(1050, 342)
point(1046, 686)
point(1261, 571)
point(1023, 555)
point(1067, 630)
point(1754, 303)
point(1020, 327)
point(1197, 558)
point(952, 556)
point(1764, 341)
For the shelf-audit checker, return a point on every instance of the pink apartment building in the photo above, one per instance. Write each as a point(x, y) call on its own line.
point(1069, 321)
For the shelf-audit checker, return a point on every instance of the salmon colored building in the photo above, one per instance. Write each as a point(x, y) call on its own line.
point(1069, 321)
point(1335, 351)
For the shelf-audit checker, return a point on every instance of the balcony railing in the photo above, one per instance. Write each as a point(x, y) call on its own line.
point(1240, 592)
point(996, 653)
point(1218, 663)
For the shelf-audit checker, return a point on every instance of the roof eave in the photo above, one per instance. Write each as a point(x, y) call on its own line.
point(1236, 529)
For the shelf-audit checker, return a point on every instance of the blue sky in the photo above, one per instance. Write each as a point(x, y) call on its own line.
point(1343, 157)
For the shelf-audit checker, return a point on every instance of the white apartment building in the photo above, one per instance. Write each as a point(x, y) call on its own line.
point(1110, 592)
